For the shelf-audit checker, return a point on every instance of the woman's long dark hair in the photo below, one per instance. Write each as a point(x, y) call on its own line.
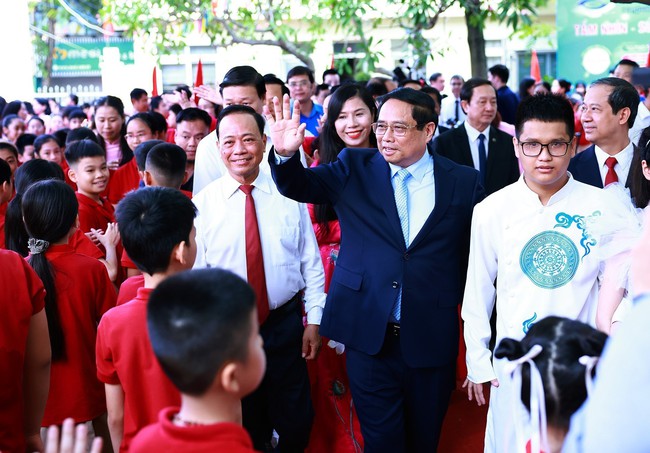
point(27, 174)
point(116, 103)
point(330, 144)
point(639, 185)
point(50, 209)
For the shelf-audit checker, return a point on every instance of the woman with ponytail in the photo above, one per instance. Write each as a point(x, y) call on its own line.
point(78, 293)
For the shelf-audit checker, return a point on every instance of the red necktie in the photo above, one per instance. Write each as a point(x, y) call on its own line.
point(611, 174)
point(254, 259)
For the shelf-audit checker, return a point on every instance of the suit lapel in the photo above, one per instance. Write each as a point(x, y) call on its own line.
point(464, 151)
point(445, 184)
point(382, 191)
point(592, 172)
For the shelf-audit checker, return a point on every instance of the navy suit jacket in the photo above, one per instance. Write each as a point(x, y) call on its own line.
point(502, 164)
point(584, 168)
point(374, 262)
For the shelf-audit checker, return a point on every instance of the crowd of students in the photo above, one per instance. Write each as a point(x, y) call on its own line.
point(126, 304)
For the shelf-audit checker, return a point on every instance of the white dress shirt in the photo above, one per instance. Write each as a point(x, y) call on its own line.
point(473, 134)
point(623, 162)
point(641, 121)
point(208, 165)
point(544, 265)
point(421, 192)
point(292, 260)
point(448, 111)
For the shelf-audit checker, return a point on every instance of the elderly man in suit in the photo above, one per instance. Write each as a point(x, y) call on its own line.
point(476, 143)
point(608, 113)
point(393, 300)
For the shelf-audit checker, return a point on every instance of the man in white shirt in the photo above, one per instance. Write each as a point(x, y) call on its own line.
point(530, 254)
point(625, 70)
point(291, 265)
point(608, 113)
point(451, 112)
point(242, 85)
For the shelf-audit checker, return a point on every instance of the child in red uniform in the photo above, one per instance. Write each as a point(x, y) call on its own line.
point(6, 192)
point(89, 171)
point(188, 315)
point(27, 174)
point(164, 167)
point(79, 292)
point(24, 355)
point(156, 226)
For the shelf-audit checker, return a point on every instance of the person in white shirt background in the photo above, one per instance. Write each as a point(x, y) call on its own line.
point(451, 112)
point(242, 85)
point(529, 238)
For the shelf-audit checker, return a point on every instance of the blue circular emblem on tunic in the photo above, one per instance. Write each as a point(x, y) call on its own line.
point(550, 259)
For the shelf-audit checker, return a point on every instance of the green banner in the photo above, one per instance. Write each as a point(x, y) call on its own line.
point(85, 56)
point(593, 35)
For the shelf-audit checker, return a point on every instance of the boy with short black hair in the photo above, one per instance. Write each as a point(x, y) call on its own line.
point(531, 237)
point(76, 119)
point(165, 167)
point(188, 315)
point(156, 226)
point(89, 171)
point(25, 146)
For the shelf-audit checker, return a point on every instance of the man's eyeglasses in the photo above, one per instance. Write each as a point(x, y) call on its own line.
point(399, 130)
point(555, 149)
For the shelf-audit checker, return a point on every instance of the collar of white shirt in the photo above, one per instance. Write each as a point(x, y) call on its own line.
point(532, 197)
point(231, 186)
point(418, 169)
point(474, 133)
point(623, 157)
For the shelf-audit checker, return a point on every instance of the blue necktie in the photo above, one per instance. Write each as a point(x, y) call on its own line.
point(401, 201)
point(482, 158)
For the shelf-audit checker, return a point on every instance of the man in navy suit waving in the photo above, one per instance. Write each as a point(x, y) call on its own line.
point(405, 216)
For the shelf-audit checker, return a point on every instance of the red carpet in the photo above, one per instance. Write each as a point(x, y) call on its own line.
point(464, 427)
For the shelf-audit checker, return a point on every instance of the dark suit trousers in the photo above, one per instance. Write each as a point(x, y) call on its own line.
point(282, 401)
point(401, 409)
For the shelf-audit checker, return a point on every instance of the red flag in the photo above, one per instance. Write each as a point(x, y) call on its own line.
point(154, 91)
point(647, 63)
point(535, 72)
point(199, 79)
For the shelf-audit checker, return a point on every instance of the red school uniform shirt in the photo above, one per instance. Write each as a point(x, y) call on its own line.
point(93, 214)
point(22, 296)
point(123, 180)
point(129, 289)
point(125, 357)
point(81, 244)
point(84, 294)
point(166, 436)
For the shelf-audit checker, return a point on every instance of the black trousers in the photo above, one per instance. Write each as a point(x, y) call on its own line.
point(282, 401)
point(400, 409)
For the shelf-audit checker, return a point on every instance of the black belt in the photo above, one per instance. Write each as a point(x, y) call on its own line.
point(392, 329)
